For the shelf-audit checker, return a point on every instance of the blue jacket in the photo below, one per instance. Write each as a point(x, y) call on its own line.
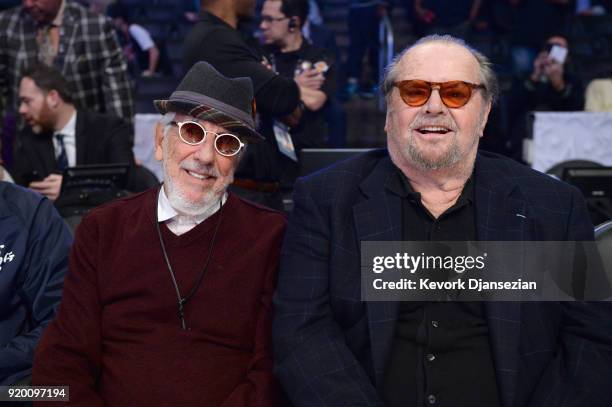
point(34, 246)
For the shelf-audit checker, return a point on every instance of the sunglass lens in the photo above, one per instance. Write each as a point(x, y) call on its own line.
point(227, 144)
point(192, 133)
point(455, 94)
point(415, 93)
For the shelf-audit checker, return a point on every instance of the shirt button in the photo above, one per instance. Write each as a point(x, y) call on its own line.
point(431, 357)
point(434, 324)
point(431, 399)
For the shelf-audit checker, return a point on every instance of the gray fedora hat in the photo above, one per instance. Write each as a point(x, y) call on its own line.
point(206, 94)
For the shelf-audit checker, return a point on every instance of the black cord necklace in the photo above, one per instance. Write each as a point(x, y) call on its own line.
point(182, 301)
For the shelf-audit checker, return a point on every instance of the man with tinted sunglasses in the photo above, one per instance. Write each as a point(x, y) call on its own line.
point(431, 184)
point(168, 296)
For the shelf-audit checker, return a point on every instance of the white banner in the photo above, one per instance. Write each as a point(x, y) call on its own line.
point(564, 136)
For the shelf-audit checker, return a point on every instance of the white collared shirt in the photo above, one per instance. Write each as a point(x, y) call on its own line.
point(69, 132)
point(178, 223)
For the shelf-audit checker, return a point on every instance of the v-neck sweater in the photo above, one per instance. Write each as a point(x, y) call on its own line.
point(117, 338)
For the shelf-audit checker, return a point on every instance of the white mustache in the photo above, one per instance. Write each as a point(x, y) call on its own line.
point(206, 170)
point(421, 122)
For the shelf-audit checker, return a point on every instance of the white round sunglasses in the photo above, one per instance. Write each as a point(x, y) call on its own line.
point(193, 133)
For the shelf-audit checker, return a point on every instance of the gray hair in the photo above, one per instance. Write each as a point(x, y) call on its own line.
point(487, 76)
point(166, 120)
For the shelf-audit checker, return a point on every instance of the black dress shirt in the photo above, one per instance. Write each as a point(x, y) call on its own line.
point(440, 354)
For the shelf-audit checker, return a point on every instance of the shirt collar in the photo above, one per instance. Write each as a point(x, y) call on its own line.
point(400, 186)
point(165, 211)
point(59, 18)
point(70, 128)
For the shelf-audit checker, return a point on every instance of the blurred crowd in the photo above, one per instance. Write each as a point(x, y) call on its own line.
point(243, 88)
point(550, 55)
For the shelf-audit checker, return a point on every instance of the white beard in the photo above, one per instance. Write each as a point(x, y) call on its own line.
point(179, 201)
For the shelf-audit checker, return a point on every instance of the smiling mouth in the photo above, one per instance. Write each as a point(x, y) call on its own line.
point(433, 130)
point(199, 176)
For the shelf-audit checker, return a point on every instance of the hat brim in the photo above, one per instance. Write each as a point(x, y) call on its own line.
point(202, 112)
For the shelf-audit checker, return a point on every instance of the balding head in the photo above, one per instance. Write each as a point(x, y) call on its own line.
point(443, 49)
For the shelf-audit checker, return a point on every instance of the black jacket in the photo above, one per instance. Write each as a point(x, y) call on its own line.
point(100, 139)
point(214, 41)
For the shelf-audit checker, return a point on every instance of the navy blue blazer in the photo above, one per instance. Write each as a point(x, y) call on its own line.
point(34, 247)
point(331, 348)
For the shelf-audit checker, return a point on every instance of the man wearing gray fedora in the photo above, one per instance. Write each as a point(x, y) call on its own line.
point(168, 296)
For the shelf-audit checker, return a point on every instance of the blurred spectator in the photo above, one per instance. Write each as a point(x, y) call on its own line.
point(321, 37)
point(599, 96)
point(58, 135)
point(335, 116)
point(455, 17)
point(549, 87)
point(530, 22)
point(80, 43)
point(97, 6)
point(215, 39)
point(34, 245)
point(138, 45)
point(593, 7)
point(363, 24)
point(191, 9)
point(290, 54)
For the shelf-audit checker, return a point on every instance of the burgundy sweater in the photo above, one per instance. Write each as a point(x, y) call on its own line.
point(117, 338)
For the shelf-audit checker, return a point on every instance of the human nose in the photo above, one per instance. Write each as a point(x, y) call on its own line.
point(434, 104)
point(23, 109)
point(206, 151)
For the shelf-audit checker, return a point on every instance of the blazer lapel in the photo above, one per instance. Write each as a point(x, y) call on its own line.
point(68, 32)
point(80, 138)
point(45, 152)
point(501, 216)
point(378, 218)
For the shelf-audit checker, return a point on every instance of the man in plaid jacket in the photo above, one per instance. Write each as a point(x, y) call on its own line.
point(81, 44)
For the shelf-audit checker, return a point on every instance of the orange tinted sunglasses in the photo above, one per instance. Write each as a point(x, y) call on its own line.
point(454, 94)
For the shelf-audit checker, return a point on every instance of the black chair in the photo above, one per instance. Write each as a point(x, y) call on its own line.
point(558, 169)
point(603, 233)
point(141, 178)
point(603, 239)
